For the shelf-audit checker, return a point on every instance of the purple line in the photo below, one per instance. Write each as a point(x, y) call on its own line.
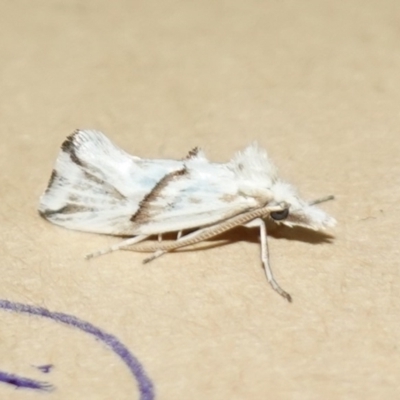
point(145, 385)
point(44, 368)
point(26, 383)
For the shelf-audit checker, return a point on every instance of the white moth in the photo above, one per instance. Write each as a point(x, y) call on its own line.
point(97, 187)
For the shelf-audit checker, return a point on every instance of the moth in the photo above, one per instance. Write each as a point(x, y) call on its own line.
point(97, 187)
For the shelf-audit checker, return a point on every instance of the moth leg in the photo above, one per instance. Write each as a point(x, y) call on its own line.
point(117, 246)
point(160, 252)
point(159, 239)
point(159, 236)
point(259, 223)
point(155, 255)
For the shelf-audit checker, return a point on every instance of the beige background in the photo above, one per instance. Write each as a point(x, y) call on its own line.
point(317, 83)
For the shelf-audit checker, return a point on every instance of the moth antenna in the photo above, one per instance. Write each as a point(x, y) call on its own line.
point(322, 200)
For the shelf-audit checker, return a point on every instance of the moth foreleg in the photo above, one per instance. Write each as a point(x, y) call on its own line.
point(260, 223)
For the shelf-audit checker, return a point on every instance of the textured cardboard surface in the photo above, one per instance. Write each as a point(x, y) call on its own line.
point(317, 83)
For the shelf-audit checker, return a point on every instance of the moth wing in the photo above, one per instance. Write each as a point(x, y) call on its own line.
point(97, 187)
point(200, 194)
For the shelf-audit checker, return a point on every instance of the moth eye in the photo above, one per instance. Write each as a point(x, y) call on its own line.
point(280, 215)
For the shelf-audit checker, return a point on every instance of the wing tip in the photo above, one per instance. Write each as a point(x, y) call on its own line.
point(68, 143)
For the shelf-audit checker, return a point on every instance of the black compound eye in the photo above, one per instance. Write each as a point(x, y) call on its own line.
point(280, 215)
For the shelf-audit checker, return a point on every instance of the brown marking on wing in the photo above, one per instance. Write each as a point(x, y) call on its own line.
point(93, 178)
point(142, 214)
point(107, 187)
point(228, 198)
point(68, 209)
point(192, 153)
point(68, 147)
point(194, 200)
point(73, 198)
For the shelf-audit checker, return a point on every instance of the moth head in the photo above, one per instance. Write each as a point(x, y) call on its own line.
point(258, 178)
point(293, 211)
